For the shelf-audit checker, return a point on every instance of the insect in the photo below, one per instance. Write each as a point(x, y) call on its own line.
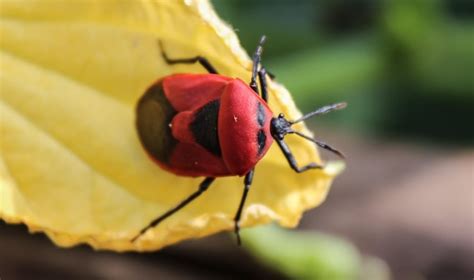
point(212, 125)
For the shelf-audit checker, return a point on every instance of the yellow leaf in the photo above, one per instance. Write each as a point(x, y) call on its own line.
point(71, 164)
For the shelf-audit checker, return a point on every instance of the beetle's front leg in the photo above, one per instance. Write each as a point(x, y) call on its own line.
point(255, 63)
point(262, 77)
point(247, 182)
point(292, 161)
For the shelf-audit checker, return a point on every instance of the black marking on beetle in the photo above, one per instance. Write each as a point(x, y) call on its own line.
point(260, 114)
point(261, 140)
point(204, 127)
point(153, 116)
point(261, 137)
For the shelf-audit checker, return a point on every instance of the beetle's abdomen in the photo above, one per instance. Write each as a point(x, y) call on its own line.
point(153, 116)
point(178, 129)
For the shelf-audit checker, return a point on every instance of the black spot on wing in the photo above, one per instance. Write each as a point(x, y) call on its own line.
point(204, 127)
point(261, 139)
point(260, 114)
point(153, 116)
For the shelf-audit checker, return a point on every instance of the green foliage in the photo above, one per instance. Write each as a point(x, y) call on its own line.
point(304, 255)
point(405, 67)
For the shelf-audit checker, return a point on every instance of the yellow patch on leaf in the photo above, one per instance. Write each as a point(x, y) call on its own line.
point(71, 164)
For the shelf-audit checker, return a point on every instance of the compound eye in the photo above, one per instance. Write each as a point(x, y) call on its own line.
point(281, 116)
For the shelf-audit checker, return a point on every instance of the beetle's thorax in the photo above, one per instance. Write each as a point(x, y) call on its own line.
point(244, 121)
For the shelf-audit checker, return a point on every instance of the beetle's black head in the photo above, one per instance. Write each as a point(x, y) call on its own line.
point(280, 127)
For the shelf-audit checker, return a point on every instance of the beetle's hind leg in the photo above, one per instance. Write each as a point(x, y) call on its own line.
point(247, 182)
point(202, 60)
point(202, 187)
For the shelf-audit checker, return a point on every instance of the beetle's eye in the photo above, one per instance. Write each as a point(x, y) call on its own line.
point(281, 116)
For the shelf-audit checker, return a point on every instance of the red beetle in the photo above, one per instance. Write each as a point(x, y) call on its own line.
point(212, 125)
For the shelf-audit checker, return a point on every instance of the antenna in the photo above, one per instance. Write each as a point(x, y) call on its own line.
point(321, 111)
point(321, 144)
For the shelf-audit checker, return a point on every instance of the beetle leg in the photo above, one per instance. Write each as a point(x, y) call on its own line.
point(247, 182)
point(202, 60)
point(256, 62)
point(291, 159)
point(202, 187)
point(271, 75)
point(262, 73)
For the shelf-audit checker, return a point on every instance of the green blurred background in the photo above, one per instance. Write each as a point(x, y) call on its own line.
point(406, 67)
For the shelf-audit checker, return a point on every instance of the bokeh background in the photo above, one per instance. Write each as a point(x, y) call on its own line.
point(403, 209)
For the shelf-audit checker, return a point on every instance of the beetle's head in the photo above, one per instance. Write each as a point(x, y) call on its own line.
point(280, 126)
